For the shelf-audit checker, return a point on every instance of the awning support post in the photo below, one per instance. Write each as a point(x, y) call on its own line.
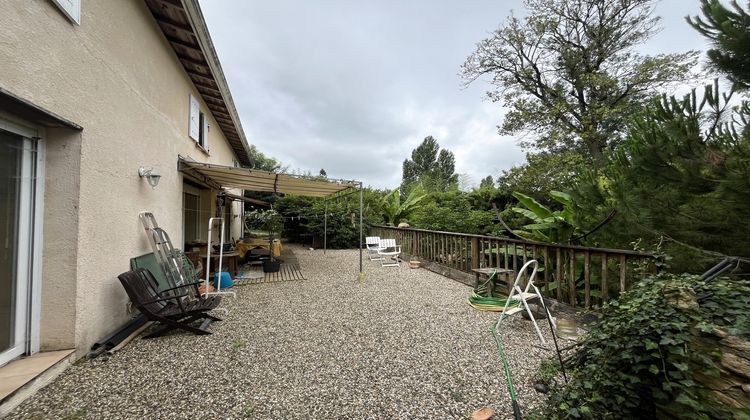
point(325, 227)
point(361, 222)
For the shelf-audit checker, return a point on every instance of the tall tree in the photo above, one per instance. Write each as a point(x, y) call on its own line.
point(729, 31)
point(569, 71)
point(431, 166)
point(264, 163)
point(683, 172)
point(487, 183)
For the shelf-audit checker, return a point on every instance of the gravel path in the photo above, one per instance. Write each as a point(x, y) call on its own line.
point(401, 344)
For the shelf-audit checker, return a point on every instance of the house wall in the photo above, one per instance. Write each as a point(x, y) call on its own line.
point(116, 76)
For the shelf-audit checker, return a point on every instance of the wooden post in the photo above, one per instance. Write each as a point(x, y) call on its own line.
point(572, 279)
point(623, 267)
point(474, 253)
point(605, 292)
point(546, 271)
point(587, 279)
point(558, 273)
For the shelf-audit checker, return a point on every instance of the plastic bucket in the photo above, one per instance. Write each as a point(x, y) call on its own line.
point(223, 280)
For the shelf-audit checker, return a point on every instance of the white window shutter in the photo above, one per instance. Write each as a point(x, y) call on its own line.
point(194, 127)
point(71, 8)
point(205, 132)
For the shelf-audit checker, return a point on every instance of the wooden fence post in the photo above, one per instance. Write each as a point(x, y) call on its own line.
point(474, 252)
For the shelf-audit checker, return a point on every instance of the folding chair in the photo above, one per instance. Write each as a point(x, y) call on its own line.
point(373, 244)
point(389, 253)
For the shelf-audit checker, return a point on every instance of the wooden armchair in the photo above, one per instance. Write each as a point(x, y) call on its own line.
point(173, 308)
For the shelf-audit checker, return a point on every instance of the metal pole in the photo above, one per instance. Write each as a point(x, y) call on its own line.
point(325, 227)
point(361, 274)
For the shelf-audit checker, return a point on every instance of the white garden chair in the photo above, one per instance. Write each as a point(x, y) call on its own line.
point(524, 295)
point(389, 253)
point(373, 244)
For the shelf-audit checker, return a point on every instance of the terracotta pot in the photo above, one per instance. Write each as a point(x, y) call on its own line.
point(482, 414)
point(414, 264)
point(202, 288)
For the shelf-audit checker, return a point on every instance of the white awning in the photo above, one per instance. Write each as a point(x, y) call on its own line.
point(220, 176)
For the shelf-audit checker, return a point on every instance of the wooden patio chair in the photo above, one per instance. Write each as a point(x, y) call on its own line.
point(170, 307)
point(389, 253)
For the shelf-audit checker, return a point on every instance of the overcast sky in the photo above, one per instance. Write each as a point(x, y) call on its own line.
point(354, 86)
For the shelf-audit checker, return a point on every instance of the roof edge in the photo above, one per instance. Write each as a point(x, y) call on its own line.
point(200, 28)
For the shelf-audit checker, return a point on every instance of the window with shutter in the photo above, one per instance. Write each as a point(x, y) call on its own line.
point(204, 131)
point(194, 123)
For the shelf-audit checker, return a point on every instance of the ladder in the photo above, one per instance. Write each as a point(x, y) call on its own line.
point(524, 295)
point(168, 258)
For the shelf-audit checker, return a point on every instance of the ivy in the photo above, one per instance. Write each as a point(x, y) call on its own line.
point(640, 359)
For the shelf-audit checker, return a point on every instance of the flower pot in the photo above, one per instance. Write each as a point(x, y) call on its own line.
point(271, 266)
point(414, 264)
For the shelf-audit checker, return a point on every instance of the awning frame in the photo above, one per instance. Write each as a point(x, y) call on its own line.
point(219, 177)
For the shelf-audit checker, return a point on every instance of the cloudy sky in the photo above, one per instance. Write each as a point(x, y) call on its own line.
point(354, 86)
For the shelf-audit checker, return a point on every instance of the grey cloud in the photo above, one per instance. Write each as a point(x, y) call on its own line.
point(352, 87)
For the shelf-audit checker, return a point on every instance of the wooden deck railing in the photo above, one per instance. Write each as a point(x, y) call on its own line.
point(578, 275)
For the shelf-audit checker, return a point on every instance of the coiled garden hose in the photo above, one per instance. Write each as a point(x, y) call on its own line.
point(481, 300)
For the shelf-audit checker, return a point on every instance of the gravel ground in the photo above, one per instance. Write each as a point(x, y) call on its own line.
point(401, 344)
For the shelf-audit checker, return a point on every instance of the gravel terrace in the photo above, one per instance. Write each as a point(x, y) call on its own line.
point(401, 344)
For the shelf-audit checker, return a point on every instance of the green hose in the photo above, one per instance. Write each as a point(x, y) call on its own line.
point(506, 369)
point(481, 298)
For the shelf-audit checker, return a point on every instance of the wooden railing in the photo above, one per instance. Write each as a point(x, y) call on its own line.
point(577, 275)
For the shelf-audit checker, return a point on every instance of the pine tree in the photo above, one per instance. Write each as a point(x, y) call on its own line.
point(729, 31)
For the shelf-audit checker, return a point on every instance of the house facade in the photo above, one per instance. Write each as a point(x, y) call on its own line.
point(90, 93)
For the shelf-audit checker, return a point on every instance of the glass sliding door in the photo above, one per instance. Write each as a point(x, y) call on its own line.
point(17, 186)
point(191, 217)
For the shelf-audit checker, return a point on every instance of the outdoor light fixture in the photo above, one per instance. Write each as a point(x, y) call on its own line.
point(151, 177)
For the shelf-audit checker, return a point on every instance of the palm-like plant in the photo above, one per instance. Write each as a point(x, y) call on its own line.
point(549, 226)
point(395, 210)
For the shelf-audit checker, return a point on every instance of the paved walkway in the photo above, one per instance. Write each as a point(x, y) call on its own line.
point(400, 344)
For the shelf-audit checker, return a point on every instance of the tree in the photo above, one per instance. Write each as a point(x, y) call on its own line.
point(395, 210)
point(429, 165)
point(569, 71)
point(682, 174)
point(558, 226)
point(323, 173)
point(264, 163)
point(487, 183)
point(543, 172)
point(729, 30)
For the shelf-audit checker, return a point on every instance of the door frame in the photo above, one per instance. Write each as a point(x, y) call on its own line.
point(30, 234)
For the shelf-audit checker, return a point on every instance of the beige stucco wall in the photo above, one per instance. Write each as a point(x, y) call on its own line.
point(116, 76)
point(60, 240)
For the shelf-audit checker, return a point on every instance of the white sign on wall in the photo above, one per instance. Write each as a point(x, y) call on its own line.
point(195, 125)
point(71, 8)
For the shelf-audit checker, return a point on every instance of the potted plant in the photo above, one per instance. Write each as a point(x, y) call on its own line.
point(273, 223)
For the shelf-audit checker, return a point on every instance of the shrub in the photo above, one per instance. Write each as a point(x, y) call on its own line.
point(654, 350)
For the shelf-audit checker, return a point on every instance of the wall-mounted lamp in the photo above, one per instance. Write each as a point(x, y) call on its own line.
point(151, 177)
